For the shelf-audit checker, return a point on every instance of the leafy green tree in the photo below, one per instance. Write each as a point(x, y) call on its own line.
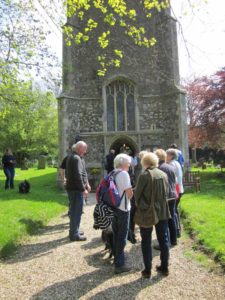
point(131, 18)
point(28, 119)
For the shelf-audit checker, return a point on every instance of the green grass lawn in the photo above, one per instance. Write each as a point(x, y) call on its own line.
point(23, 214)
point(204, 214)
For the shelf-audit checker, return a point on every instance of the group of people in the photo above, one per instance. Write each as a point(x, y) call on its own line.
point(156, 194)
point(8, 164)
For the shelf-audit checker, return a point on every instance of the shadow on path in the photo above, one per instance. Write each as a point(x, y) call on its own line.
point(31, 251)
point(28, 252)
point(80, 286)
point(94, 243)
point(128, 291)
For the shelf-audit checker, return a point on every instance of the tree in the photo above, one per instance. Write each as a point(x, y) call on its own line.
point(28, 119)
point(129, 17)
point(125, 14)
point(206, 110)
point(23, 45)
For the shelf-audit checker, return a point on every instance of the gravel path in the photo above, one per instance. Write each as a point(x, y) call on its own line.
point(50, 267)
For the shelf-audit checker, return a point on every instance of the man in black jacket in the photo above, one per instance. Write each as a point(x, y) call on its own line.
point(77, 187)
point(109, 165)
point(62, 167)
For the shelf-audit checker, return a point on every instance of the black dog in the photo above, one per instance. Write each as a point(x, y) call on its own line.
point(24, 187)
point(107, 238)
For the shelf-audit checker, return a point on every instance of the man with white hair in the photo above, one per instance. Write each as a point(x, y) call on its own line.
point(120, 223)
point(172, 159)
point(180, 157)
point(77, 187)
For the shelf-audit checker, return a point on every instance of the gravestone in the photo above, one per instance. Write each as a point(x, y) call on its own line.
point(24, 164)
point(42, 162)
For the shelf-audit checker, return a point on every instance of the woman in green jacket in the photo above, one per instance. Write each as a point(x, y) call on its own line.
point(152, 209)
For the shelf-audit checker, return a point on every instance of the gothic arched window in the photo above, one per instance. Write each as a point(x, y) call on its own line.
point(120, 106)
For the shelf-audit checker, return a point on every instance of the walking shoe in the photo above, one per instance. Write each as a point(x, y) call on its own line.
point(146, 274)
point(131, 238)
point(78, 239)
point(156, 247)
point(178, 234)
point(163, 270)
point(123, 269)
point(81, 232)
point(173, 244)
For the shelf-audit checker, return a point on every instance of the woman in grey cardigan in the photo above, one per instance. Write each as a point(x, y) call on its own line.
point(152, 209)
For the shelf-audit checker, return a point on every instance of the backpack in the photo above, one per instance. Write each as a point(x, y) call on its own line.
point(24, 187)
point(107, 191)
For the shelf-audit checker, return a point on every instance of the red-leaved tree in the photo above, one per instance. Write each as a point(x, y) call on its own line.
point(206, 110)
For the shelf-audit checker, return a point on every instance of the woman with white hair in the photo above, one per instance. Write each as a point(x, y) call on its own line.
point(152, 209)
point(120, 223)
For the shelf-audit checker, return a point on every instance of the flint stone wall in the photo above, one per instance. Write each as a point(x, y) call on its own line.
point(160, 106)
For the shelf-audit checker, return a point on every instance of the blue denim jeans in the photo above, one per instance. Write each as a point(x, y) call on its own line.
point(76, 209)
point(120, 226)
point(146, 247)
point(172, 222)
point(163, 238)
point(10, 174)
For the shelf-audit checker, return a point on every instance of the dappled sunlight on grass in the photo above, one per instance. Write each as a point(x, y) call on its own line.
point(24, 214)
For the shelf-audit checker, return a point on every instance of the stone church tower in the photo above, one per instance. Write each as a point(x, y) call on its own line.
point(139, 105)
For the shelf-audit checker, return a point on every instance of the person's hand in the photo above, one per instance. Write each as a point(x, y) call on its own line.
point(129, 193)
point(88, 188)
point(85, 193)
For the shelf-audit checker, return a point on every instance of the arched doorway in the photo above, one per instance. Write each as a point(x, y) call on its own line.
point(124, 144)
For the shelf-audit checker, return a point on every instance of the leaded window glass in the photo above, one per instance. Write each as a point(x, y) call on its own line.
point(120, 106)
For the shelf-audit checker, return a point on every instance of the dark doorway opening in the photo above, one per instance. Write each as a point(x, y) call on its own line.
point(124, 145)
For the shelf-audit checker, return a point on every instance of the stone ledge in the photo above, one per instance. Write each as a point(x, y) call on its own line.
point(155, 131)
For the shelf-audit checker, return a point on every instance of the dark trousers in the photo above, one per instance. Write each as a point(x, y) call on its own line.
point(10, 174)
point(146, 247)
point(131, 234)
point(120, 226)
point(177, 215)
point(163, 238)
point(172, 222)
point(76, 208)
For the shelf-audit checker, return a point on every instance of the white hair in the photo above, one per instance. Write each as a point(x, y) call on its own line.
point(173, 152)
point(78, 145)
point(121, 159)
